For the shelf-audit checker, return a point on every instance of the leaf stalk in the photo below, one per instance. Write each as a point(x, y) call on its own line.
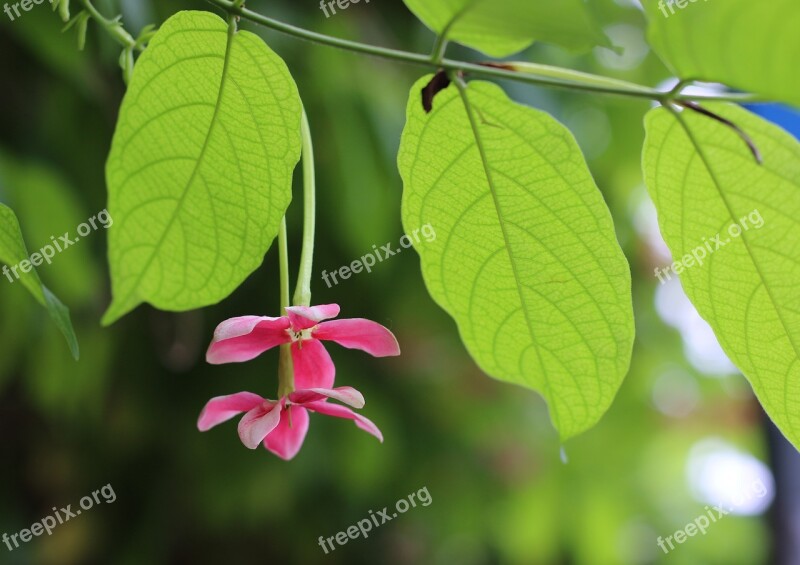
point(595, 84)
point(302, 293)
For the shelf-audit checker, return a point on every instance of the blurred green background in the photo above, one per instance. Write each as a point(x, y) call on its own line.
point(685, 431)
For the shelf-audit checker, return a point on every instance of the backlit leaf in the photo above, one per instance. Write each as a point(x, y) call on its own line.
point(503, 27)
point(526, 259)
point(745, 44)
point(704, 180)
point(200, 170)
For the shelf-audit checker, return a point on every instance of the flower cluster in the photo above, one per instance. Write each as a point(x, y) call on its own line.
point(281, 425)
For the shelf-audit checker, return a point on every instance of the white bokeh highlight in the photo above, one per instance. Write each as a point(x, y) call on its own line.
point(719, 474)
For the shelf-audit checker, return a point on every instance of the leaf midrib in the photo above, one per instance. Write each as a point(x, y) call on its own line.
point(223, 81)
point(732, 216)
point(489, 179)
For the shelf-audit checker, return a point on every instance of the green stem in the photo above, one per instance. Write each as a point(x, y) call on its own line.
point(461, 66)
point(113, 27)
point(302, 293)
point(437, 55)
point(570, 75)
point(283, 258)
point(285, 366)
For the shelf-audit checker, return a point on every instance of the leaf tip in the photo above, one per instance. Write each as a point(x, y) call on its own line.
point(60, 316)
point(115, 311)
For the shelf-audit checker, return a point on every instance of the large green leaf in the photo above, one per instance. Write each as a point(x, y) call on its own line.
point(200, 170)
point(13, 252)
point(526, 260)
point(745, 44)
point(704, 179)
point(503, 27)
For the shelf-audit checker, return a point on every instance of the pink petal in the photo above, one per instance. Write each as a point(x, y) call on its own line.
point(338, 411)
point(345, 394)
point(304, 317)
point(358, 333)
point(223, 408)
point(258, 423)
point(285, 440)
point(313, 367)
point(246, 337)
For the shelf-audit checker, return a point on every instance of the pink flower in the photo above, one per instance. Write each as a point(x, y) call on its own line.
point(282, 425)
point(246, 337)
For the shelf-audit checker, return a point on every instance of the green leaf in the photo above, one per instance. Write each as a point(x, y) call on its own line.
point(704, 179)
point(75, 276)
point(744, 44)
point(12, 253)
point(526, 261)
point(200, 170)
point(504, 27)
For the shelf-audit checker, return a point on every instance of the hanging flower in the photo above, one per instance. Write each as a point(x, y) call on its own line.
point(246, 337)
point(281, 425)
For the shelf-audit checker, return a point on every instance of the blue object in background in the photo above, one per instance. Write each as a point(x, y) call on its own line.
point(785, 116)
